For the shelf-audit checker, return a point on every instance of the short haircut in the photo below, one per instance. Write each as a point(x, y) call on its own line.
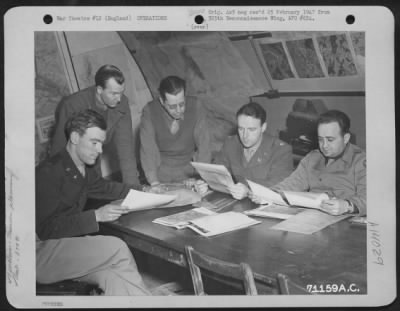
point(80, 121)
point(171, 85)
point(105, 73)
point(336, 116)
point(254, 110)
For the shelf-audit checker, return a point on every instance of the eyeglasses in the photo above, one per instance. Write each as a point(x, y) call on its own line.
point(175, 106)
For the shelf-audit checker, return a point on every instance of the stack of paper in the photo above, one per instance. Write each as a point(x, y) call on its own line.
point(274, 211)
point(181, 220)
point(221, 223)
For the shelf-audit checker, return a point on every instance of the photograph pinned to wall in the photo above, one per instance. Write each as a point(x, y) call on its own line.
point(276, 60)
point(44, 126)
point(305, 58)
point(337, 55)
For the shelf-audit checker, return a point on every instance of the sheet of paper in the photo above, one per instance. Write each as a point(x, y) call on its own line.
point(139, 200)
point(308, 222)
point(306, 199)
point(180, 220)
point(221, 223)
point(216, 176)
point(266, 193)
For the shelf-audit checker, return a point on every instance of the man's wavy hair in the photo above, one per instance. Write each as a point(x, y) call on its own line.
point(80, 121)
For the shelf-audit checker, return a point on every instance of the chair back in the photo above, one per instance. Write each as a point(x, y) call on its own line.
point(242, 273)
point(198, 262)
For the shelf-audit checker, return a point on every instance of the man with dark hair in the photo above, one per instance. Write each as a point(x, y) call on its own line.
point(106, 98)
point(338, 168)
point(63, 184)
point(173, 132)
point(253, 154)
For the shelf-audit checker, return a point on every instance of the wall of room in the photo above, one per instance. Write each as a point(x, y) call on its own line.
point(50, 84)
point(279, 108)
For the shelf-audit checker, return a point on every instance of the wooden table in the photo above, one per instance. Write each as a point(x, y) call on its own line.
point(334, 256)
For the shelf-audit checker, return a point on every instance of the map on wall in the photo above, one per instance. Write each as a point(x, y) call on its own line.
point(358, 40)
point(305, 58)
point(276, 60)
point(337, 55)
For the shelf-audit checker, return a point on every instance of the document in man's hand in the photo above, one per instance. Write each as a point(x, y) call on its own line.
point(306, 199)
point(221, 223)
point(266, 193)
point(295, 198)
point(182, 219)
point(217, 176)
point(139, 200)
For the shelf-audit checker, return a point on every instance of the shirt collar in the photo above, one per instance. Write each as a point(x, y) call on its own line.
point(253, 150)
point(69, 164)
point(346, 155)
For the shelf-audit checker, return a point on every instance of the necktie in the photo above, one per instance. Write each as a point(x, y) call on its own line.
point(82, 170)
point(248, 153)
point(174, 127)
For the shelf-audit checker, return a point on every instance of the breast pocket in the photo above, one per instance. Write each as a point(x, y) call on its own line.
point(71, 194)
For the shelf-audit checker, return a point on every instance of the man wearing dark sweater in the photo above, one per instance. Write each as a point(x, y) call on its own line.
point(173, 132)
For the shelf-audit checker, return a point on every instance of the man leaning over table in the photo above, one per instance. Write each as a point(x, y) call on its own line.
point(64, 250)
point(254, 154)
point(337, 168)
point(173, 132)
point(107, 98)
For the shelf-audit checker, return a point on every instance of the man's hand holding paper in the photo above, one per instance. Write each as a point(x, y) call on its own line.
point(238, 191)
point(335, 206)
point(110, 212)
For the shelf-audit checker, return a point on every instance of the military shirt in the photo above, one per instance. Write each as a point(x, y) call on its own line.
point(344, 178)
point(61, 195)
point(270, 164)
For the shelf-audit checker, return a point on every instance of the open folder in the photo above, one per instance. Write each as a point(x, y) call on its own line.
point(295, 198)
point(139, 200)
point(217, 176)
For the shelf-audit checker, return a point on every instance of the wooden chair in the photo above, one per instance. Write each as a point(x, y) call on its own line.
point(200, 263)
point(197, 260)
